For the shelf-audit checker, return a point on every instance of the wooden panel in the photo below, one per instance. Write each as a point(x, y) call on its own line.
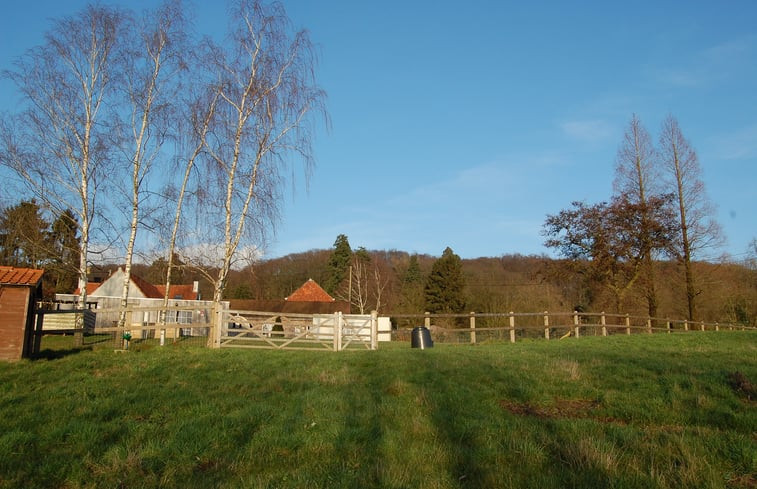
point(13, 303)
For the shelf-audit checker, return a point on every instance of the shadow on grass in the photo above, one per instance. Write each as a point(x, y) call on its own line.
point(50, 354)
point(449, 415)
point(358, 444)
point(57, 346)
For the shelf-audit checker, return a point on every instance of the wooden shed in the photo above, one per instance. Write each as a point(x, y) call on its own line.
point(20, 288)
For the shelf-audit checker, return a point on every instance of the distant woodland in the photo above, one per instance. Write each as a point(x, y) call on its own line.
point(727, 292)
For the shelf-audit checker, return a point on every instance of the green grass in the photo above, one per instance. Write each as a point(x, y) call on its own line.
point(641, 411)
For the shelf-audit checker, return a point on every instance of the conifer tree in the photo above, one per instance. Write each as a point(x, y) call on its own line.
point(444, 286)
point(697, 227)
point(339, 264)
point(636, 181)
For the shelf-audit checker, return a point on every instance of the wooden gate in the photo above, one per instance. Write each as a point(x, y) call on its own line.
point(269, 330)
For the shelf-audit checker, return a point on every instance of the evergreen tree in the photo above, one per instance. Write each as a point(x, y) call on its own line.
point(411, 288)
point(338, 265)
point(444, 286)
point(65, 244)
point(23, 236)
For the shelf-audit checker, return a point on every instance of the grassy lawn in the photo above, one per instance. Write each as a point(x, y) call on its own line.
point(641, 411)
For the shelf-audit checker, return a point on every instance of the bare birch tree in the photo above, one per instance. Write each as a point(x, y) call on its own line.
point(152, 66)
point(267, 95)
point(365, 285)
point(636, 180)
point(201, 110)
point(698, 229)
point(59, 144)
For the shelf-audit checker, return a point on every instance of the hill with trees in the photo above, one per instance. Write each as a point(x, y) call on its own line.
point(728, 290)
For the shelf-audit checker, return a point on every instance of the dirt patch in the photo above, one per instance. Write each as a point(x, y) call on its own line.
point(560, 408)
point(747, 481)
point(742, 386)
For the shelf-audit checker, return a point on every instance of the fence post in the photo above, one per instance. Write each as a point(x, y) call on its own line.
point(717, 327)
point(473, 328)
point(668, 325)
point(427, 319)
point(37, 339)
point(628, 324)
point(575, 322)
point(685, 324)
point(218, 313)
point(162, 317)
point(649, 325)
point(512, 327)
point(374, 330)
point(603, 322)
point(546, 325)
point(337, 330)
point(79, 327)
point(702, 325)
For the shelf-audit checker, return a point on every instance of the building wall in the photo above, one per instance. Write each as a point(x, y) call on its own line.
point(14, 337)
point(114, 286)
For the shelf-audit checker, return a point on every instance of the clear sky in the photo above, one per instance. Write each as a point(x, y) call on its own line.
point(464, 124)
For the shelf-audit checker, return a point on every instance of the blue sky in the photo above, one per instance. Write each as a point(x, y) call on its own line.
point(465, 124)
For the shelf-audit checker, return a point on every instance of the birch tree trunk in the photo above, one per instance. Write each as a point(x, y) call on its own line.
point(151, 69)
point(199, 127)
point(264, 81)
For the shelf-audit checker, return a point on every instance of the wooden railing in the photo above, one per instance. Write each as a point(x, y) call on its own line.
point(551, 325)
point(221, 327)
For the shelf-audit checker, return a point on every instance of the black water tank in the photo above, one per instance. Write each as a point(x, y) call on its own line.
point(421, 338)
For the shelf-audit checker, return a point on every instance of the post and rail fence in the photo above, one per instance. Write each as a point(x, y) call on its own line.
point(484, 327)
point(211, 326)
point(217, 326)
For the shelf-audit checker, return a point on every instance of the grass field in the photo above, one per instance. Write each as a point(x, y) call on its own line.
point(641, 411)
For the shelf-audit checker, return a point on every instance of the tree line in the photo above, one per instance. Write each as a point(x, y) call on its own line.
point(415, 283)
point(659, 210)
point(146, 135)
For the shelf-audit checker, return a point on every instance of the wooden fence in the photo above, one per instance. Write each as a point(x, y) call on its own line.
point(142, 325)
point(217, 327)
point(477, 327)
point(272, 330)
point(220, 327)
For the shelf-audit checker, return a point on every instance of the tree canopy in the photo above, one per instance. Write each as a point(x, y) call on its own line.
point(444, 290)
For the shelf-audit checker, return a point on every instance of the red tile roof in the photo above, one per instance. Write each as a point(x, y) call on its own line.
point(148, 289)
point(186, 292)
point(151, 291)
point(20, 276)
point(289, 307)
point(91, 288)
point(310, 292)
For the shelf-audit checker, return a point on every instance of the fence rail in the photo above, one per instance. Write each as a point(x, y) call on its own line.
point(219, 327)
point(447, 327)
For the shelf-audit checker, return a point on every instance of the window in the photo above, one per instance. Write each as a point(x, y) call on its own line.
point(184, 317)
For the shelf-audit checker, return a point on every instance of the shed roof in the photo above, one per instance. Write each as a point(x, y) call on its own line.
point(310, 292)
point(20, 276)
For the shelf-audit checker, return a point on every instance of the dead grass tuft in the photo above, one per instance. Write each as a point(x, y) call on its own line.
point(561, 408)
point(742, 385)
